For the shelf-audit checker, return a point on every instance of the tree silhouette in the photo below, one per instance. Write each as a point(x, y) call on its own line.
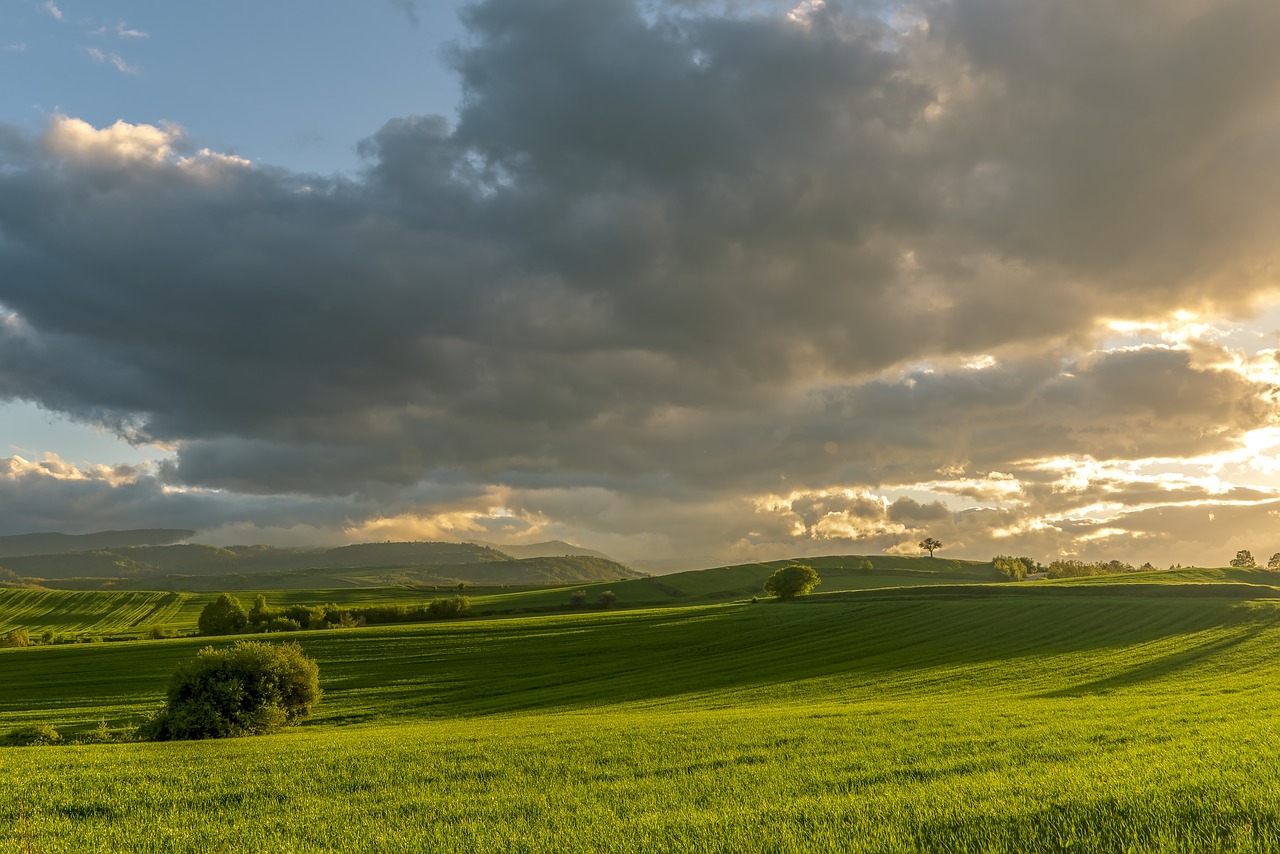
point(930, 544)
point(1244, 560)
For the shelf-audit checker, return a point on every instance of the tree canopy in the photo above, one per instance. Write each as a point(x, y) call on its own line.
point(1244, 560)
point(223, 616)
point(790, 581)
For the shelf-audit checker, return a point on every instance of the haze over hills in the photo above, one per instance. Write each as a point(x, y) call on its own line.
point(551, 548)
point(203, 567)
point(52, 542)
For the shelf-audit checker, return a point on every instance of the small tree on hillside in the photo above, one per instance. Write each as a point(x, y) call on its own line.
point(248, 688)
point(1273, 563)
point(1244, 560)
point(791, 581)
point(223, 616)
point(930, 545)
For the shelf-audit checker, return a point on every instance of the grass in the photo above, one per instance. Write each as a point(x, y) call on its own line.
point(118, 614)
point(1028, 718)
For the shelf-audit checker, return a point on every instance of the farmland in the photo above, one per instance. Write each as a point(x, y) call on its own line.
point(123, 614)
point(1035, 717)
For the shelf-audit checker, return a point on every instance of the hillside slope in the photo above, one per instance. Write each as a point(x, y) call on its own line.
point(18, 545)
point(165, 567)
point(1038, 718)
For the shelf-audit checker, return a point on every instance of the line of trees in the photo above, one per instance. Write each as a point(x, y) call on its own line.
point(227, 616)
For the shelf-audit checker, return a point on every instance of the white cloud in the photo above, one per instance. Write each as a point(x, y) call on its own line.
point(112, 59)
point(121, 142)
point(50, 465)
point(16, 47)
point(53, 10)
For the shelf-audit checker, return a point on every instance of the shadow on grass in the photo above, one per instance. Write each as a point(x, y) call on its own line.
point(1160, 667)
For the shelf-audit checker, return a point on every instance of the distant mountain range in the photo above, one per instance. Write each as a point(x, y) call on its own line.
point(201, 567)
point(50, 543)
point(551, 548)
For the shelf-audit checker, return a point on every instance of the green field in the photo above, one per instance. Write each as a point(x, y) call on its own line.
point(1032, 717)
point(123, 614)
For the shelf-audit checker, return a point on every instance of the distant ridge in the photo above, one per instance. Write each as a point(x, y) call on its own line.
point(191, 566)
point(50, 543)
point(551, 548)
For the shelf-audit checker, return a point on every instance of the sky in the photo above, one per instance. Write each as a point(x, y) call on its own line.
point(688, 282)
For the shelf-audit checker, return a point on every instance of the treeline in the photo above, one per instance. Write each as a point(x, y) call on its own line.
point(1018, 568)
point(1082, 569)
point(227, 616)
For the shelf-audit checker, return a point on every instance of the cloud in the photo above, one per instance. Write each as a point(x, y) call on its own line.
point(112, 59)
point(53, 10)
point(17, 47)
point(698, 260)
point(120, 143)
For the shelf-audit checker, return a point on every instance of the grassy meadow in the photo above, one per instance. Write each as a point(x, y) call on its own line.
point(1033, 717)
point(130, 614)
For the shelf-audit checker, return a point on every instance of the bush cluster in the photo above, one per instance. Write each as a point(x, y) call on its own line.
point(1015, 568)
point(244, 689)
point(27, 736)
point(226, 616)
point(1081, 569)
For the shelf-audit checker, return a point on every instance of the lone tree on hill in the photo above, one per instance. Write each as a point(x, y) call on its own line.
point(248, 688)
point(930, 545)
point(223, 616)
point(1244, 560)
point(791, 581)
point(1274, 563)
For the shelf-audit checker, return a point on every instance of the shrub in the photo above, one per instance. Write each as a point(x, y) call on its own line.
point(223, 616)
point(578, 599)
point(17, 637)
point(442, 609)
point(607, 599)
point(28, 736)
point(283, 624)
point(102, 734)
point(245, 689)
point(791, 581)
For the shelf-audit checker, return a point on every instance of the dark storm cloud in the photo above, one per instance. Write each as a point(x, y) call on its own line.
point(670, 247)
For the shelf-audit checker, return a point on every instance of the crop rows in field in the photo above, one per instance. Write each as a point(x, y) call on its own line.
point(1003, 723)
point(1054, 645)
point(97, 612)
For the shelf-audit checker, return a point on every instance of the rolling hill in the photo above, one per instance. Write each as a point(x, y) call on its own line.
point(552, 548)
point(18, 545)
point(967, 717)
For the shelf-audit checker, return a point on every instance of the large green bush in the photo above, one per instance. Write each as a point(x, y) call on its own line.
point(791, 581)
point(245, 689)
